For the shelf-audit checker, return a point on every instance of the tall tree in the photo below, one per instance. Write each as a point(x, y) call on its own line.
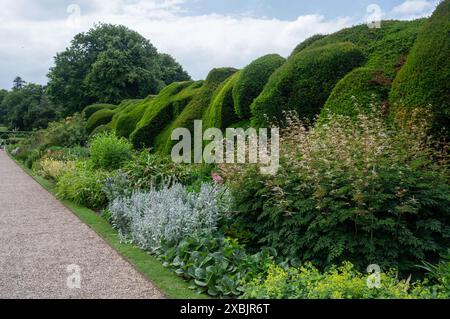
point(28, 108)
point(3, 93)
point(18, 83)
point(108, 64)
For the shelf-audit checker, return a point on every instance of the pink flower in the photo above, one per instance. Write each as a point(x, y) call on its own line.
point(217, 178)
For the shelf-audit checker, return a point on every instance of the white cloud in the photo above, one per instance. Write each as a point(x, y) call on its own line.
point(199, 43)
point(413, 9)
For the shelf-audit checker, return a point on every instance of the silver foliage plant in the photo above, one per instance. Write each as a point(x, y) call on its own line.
point(169, 214)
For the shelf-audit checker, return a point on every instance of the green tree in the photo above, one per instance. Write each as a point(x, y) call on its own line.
point(18, 83)
point(28, 108)
point(3, 93)
point(109, 64)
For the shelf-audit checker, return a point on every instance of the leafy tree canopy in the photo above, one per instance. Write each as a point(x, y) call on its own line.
point(108, 64)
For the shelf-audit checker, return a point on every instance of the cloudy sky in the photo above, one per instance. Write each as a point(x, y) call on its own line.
point(200, 34)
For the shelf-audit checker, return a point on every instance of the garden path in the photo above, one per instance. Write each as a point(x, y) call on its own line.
point(40, 238)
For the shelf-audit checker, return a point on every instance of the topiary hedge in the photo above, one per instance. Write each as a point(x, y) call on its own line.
point(125, 107)
point(100, 129)
point(195, 109)
point(221, 110)
point(101, 117)
point(91, 109)
point(308, 42)
point(304, 82)
point(164, 109)
point(425, 77)
point(363, 84)
point(252, 80)
point(126, 123)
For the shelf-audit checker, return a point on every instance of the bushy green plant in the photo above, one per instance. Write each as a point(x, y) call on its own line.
point(361, 191)
point(91, 109)
point(99, 118)
point(66, 133)
point(215, 265)
point(107, 151)
point(424, 78)
point(251, 82)
point(343, 282)
point(84, 185)
point(304, 82)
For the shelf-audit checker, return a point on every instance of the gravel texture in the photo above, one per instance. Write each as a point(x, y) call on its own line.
point(40, 238)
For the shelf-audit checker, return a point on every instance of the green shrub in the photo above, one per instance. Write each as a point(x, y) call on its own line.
point(164, 109)
point(220, 112)
point(101, 117)
point(125, 107)
point(343, 282)
point(307, 43)
point(100, 129)
point(126, 123)
point(108, 151)
point(84, 185)
point(195, 109)
point(352, 190)
point(68, 132)
point(363, 84)
point(252, 80)
point(91, 109)
point(215, 265)
point(424, 78)
point(304, 82)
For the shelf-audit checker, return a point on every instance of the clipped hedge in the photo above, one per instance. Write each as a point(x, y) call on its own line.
point(362, 86)
point(304, 82)
point(195, 109)
point(100, 129)
point(221, 110)
point(91, 109)
point(163, 109)
point(124, 107)
point(425, 77)
point(101, 117)
point(307, 43)
point(252, 80)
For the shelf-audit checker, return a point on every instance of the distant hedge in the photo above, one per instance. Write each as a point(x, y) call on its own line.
point(252, 80)
point(425, 77)
point(195, 109)
point(304, 82)
point(91, 109)
point(101, 117)
point(164, 108)
point(363, 84)
point(221, 110)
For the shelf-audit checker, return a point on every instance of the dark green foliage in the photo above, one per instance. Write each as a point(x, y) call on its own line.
point(305, 44)
point(221, 110)
point(91, 109)
point(252, 80)
point(124, 121)
point(108, 64)
point(163, 109)
point(171, 70)
point(195, 109)
point(101, 117)
point(27, 108)
point(3, 93)
point(425, 77)
point(124, 107)
point(304, 82)
point(362, 86)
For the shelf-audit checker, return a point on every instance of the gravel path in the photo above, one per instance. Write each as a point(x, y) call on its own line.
point(40, 238)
